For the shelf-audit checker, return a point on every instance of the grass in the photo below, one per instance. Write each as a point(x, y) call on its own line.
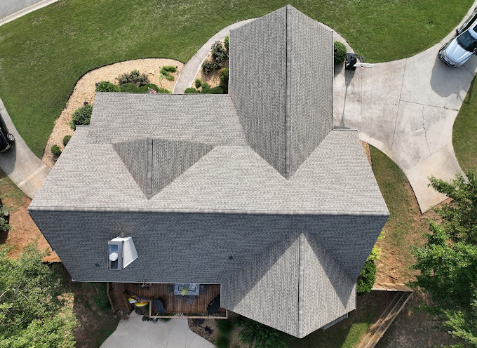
point(404, 227)
point(8, 189)
point(464, 132)
point(345, 334)
point(45, 52)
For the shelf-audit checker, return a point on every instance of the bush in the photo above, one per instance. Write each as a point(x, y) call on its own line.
point(129, 88)
point(218, 52)
point(366, 278)
point(55, 150)
point(260, 336)
point(216, 90)
point(226, 43)
point(207, 67)
point(81, 116)
point(340, 52)
point(152, 86)
point(133, 77)
point(4, 225)
point(106, 86)
point(168, 68)
point(198, 83)
point(222, 341)
point(163, 90)
point(191, 90)
point(66, 139)
point(225, 327)
point(224, 76)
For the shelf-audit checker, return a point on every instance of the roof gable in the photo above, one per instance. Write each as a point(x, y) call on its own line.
point(284, 105)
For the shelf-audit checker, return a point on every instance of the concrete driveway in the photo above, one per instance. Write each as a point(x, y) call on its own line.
point(134, 333)
point(406, 108)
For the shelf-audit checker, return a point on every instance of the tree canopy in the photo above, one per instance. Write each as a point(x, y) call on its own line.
point(448, 261)
point(32, 313)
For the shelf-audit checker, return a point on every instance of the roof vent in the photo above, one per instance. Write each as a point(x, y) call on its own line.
point(121, 252)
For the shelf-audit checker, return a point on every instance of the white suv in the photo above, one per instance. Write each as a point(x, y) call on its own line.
point(458, 51)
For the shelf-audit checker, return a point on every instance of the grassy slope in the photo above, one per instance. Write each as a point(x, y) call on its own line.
point(464, 135)
point(44, 53)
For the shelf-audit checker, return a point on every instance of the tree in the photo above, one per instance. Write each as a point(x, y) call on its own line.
point(448, 261)
point(32, 313)
point(258, 335)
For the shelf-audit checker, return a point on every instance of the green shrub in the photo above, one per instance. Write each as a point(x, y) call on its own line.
point(133, 77)
point(100, 296)
point(366, 278)
point(224, 76)
point(129, 88)
point(163, 90)
point(225, 327)
point(191, 90)
point(165, 320)
point(81, 116)
point(218, 52)
point(168, 68)
point(198, 83)
point(55, 150)
point(152, 86)
point(222, 342)
point(216, 90)
point(226, 42)
point(205, 87)
point(207, 67)
point(4, 225)
point(340, 52)
point(106, 86)
point(66, 139)
point(260, 336)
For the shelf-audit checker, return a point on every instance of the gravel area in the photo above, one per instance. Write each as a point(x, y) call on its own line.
point(85, 89)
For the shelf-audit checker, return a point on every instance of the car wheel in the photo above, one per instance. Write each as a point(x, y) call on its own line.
point(10, 138)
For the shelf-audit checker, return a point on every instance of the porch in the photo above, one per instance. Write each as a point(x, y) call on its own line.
point(120, 292)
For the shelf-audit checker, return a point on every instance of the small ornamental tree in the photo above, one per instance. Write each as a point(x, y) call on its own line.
point(340, 52)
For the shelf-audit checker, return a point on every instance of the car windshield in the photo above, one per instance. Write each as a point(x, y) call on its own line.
point(467, 42)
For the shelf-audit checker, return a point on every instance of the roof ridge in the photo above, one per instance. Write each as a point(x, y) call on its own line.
point(301, 286)
point(288, 54)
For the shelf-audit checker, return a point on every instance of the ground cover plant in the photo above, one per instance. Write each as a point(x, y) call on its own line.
point(44, 53)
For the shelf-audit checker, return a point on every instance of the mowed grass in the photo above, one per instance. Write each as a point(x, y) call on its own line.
point(44, 53)
point(464, 133)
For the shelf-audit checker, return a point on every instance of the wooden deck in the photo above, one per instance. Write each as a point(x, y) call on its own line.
point(173, 307)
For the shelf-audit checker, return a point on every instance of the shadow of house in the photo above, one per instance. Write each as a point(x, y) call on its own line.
point(253, 190)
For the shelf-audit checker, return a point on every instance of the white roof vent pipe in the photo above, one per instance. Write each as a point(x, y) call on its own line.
point(121, 252)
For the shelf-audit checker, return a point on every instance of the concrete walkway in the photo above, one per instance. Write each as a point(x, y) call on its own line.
point(134, 333)
point(406, 108)
point(13, 9)
point(191, 69)
point(22, 166)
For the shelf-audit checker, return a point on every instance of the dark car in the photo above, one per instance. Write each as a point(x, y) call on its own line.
point(7, 140)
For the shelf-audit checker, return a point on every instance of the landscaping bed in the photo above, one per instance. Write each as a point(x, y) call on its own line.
point(84, 92)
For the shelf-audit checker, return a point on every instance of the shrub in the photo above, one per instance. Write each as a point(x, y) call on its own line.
point(340, 52)
point(66, 139)
point(152, 86)
point(222, 341)
point(198, 83)
point(207, 67)
point(225, 327)
point(55, 150)
point(129, 88)
point(4, 225)
point(163, 90)
point(218, 52)
point(81, 116)
point(226, 42)
point(216, 90)
point(205, 87)
point(224, 76)
point(191, 90)
point(366, 278)
point(165, 320)
point(133, 77)
point(260, 336)
point(168, 68)
point(106, 86)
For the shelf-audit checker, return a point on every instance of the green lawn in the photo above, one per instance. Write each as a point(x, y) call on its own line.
point(44, 53)
point(464, 134)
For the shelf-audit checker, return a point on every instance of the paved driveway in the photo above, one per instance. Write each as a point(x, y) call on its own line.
point(406, 108)
point(134, 333)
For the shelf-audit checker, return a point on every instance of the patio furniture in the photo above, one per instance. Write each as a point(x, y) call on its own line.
point(214, 305)
point(190, 299)
point(192, 288)
point(160, 305)
point(180, 298)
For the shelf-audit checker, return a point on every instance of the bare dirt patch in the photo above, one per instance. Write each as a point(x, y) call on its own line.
point(84, 91)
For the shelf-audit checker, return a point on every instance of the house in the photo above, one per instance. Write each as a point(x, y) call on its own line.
point(253, 190)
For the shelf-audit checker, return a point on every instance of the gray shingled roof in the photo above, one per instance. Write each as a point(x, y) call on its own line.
point(258, 175)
